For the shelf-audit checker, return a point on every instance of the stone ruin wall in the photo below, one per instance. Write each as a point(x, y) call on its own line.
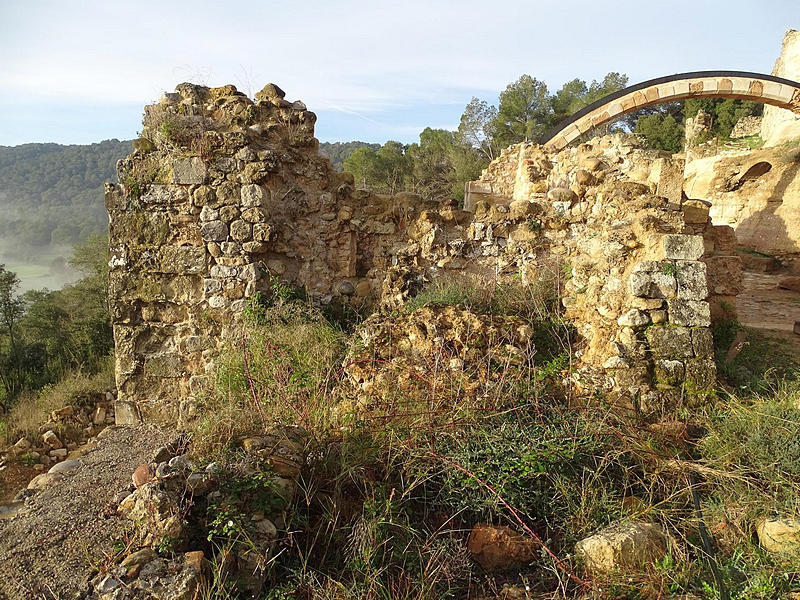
point(222, 194)
point(647, 270)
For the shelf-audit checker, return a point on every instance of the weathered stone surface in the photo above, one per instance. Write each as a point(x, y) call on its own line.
point(500, 548)
point(690, 313)
point(241, 230)
point(214, 231)
point(691, 277)
point(724, 275)
point(634, 318)
point(672, 342)
point(652, 279)
point(189, 170)
point(670, 372)
point(683, 247)
point(695, 211)
point(702, 342)
point(622, 547)
point(780, 125)
point(253, 195)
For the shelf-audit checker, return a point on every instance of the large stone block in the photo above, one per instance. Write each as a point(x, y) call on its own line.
point(682, 247)
point(669, 372)
point(703, 342)
point(670, 342)
point(188, 171)
point(689, 313)
point(701, 379)
point(653, 279)
point(668, 174)
point(691, 276)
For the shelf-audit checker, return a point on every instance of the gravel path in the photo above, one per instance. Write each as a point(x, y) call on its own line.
point(47, 550)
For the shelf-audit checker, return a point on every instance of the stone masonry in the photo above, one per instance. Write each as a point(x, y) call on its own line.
point(223, 196)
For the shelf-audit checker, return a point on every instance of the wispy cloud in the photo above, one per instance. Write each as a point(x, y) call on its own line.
point(383, 64)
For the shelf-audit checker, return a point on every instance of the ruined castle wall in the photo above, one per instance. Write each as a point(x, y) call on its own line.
point(643, 271)
point(222, 195)
point(757, 192)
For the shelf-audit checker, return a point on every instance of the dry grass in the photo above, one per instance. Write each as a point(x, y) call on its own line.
point(31, 410)
point(282, 369)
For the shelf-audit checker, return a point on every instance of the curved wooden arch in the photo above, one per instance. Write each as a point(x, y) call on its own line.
point(758, 87)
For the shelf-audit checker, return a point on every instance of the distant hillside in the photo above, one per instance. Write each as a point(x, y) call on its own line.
point(53, 194)
point(338, 151)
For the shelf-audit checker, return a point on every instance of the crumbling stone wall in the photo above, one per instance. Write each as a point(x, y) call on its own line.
point(224, 195)
point(643, 269)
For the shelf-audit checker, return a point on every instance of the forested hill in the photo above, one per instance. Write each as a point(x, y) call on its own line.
point(51, 193)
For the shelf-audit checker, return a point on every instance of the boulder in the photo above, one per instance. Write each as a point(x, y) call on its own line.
point(779, 534)
point(142, 475)
point(623, 546)
point(51, 439)
point(500, 548)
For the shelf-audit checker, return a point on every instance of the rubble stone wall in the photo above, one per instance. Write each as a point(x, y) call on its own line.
point(645, 272)
point(223, 196)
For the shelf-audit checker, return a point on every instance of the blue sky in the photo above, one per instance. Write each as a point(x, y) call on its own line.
point(77, 71)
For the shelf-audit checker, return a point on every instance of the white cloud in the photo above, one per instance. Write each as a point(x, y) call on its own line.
point(370, 58)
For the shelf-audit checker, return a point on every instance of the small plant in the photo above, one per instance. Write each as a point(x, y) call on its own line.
point(165, 545)
point(669, 268)
point(226, 523)
point(534, 224)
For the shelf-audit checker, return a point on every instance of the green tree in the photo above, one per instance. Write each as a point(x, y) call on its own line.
point(524, 112)
point(662, 132)
point(363, 164)
point(476, 128)
point(569, 99)
point(12, 307)
point(394, 167)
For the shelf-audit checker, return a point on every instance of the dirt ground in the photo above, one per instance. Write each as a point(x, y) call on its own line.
point(65, 532)
point(13, 478)
point(773, 311)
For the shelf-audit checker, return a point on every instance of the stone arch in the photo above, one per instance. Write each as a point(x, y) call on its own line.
point(757, 87)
